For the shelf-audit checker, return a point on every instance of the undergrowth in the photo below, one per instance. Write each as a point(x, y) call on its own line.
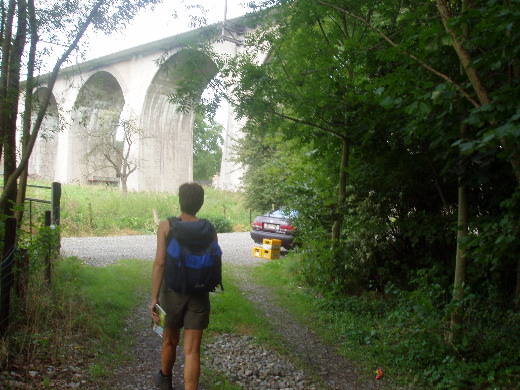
point(78, 317)
point(404, 332)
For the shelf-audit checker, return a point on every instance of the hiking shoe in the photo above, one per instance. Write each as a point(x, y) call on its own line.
point(163, 382)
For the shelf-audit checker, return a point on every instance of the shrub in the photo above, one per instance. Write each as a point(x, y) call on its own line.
point(222, 223)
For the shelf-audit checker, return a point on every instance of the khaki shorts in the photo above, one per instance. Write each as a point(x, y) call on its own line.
point(184, 311)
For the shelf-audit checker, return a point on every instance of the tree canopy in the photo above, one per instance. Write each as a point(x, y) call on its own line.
point(207, 147)
point(393, 128)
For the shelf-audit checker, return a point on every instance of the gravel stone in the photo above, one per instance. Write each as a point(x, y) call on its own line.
point(309, 364)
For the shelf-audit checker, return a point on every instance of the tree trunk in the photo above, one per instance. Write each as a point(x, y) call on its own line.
point(342, 191)
point(20, 197)
point(26, 119)
point(4, 70)
point(517, 290)
point(457, 316)
point(10, 182)
point(124, 186)
point(11, 106)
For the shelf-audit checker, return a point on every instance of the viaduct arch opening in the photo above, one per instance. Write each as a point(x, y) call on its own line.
point(94, 120)
point(166, 154)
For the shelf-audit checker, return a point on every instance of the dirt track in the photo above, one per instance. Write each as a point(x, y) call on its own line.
point(322, 367)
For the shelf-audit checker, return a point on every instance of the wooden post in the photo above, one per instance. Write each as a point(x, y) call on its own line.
point(6, 277)
point(90, 216)
point(55, 202)
point(47, 260)
point(55, 209)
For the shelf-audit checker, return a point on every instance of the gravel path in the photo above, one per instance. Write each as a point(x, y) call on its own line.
point(311, 365)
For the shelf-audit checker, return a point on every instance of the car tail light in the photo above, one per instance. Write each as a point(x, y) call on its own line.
point(257, 225)
point(286, 228)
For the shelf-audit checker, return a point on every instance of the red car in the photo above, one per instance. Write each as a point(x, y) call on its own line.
point(274, 225)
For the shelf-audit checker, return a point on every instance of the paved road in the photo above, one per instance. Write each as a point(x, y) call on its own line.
point(99, 251)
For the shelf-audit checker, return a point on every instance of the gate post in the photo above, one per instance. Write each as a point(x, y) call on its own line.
point(55, 209)
point(6, 276)
point(48, 255)
point(55, 202)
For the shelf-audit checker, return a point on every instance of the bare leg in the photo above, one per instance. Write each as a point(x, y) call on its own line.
point(169, 350)
point(192, 341)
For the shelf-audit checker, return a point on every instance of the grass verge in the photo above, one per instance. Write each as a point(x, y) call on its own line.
point(327, 322)
point(112, 293)
point(400, 332)
point(231, 312)
point(77, 322)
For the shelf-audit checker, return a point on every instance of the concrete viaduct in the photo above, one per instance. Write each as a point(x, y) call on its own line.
point(135, 83)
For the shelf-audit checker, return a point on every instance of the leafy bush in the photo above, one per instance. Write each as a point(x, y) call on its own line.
point(221, 222)
point(405, 332)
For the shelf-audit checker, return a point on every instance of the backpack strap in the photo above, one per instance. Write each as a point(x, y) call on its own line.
point(169, 236)
point(182, 268)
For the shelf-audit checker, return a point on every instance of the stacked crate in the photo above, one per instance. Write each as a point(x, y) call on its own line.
point(270, 249)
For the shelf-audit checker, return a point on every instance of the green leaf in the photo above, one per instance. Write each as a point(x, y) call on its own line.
point(436, 95)
point(447, 40)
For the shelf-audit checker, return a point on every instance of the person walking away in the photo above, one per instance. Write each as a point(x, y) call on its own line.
point(188, 311)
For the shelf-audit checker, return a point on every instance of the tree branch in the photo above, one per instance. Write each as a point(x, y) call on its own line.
point(393, 44)
point(308, 123)
point(11, 182)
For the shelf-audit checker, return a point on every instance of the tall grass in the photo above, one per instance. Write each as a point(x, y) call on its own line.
point(79, 315)
point(99, 210)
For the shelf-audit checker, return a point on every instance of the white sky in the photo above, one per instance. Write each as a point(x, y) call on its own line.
point(160, 23)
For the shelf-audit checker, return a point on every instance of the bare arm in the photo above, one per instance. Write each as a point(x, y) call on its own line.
point(158, 265)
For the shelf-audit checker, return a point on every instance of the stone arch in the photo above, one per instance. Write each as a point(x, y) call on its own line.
point(100, 97)
point(166, 155)
point(42, 162)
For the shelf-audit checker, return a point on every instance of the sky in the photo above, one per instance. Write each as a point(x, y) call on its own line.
point(152, 25)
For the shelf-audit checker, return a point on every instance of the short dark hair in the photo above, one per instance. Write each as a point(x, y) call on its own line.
point(191, 198)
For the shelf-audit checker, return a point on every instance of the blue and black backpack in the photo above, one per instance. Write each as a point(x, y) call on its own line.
point(193, 257)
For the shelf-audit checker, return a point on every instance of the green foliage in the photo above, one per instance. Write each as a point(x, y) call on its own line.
point(413, 136)
point(474, 363)
point(283, 172)
point(403, 123)
point(403, 332)
point(221, 222)
point(207, 148)
point(100, 210)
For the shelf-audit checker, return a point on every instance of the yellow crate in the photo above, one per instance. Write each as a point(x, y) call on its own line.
point(271, 253)
point(257, 251)
point(272, 244)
